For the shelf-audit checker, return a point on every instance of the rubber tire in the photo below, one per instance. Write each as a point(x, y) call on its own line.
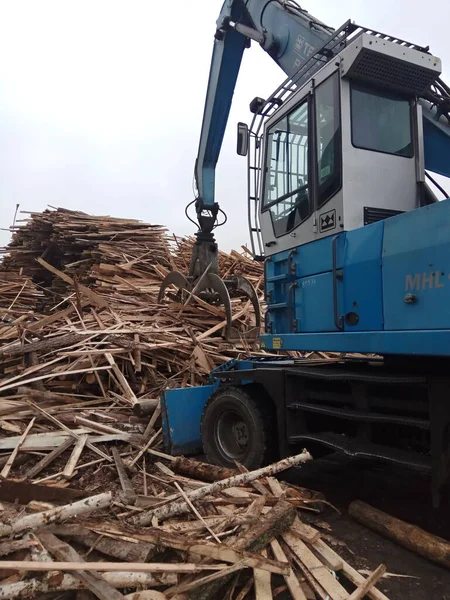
point(258, 416)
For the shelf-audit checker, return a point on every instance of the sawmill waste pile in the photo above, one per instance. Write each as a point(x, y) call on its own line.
point(88, 499)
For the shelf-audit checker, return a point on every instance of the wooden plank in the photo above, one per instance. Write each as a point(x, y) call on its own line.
point(327, 556)
point(263, 587)
point(9, 463)
point(305, 532)
point(372, 580)
point(47, 460)
point(291, 580)
point(129, 394)
point(127, 486)
point(112, 567)
point(322, 575)
point(69, 431)
point(93, 580)
point(75, 456)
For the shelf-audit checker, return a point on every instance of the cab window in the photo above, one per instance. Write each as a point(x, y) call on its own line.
point(381, 121)
point(328, 139)
point(286, 192)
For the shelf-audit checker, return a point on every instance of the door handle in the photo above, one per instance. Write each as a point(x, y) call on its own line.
point(338, 319)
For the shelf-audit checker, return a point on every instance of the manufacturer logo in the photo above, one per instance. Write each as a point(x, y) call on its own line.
point(327, 221)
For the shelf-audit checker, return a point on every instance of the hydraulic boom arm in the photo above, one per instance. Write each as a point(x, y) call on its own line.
point(286, 32)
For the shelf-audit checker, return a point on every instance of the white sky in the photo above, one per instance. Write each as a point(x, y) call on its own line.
point(101, 101)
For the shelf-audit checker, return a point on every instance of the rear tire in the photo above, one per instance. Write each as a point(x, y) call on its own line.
point(236, 427)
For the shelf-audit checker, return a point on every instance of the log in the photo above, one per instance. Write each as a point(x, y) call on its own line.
point(409, 536)
point(146, 595)
point(56, 515)
point(121, 549)
point(42, 346)
point(10, 547)
point(144, 408)
point(45, 395)
point(93, 580)
point(206, 472)
point(30, 588)
point(180, 507)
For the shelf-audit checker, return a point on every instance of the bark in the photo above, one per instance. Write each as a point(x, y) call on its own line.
point(56, 515)
point(42, 346)
point(415, 539)
point(181, 506)
point(120, 549)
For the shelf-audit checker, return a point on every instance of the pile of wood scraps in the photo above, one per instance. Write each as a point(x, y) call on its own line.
point(165, 532)
point(88, 499)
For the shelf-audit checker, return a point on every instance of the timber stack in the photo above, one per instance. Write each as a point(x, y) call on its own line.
point(90, 506)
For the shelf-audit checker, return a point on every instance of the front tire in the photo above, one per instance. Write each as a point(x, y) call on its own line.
point(236, 427)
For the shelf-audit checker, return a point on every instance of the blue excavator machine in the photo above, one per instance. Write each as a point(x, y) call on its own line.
point(355, 239)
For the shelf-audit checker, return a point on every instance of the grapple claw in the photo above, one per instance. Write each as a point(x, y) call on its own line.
point(173, 278)
point(211, 288)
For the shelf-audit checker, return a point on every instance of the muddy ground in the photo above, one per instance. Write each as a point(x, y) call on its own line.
point(404, 494)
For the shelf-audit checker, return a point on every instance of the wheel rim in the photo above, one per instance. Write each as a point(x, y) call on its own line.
point(232, 436)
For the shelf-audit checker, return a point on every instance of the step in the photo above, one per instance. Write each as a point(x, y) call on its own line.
point(360, 449)
point(366, 417)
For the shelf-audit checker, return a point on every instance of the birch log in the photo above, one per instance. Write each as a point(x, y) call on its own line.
point(30, 588)
point(56, 515)
point(180, 506)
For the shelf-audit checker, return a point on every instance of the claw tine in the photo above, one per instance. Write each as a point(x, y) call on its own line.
point(173, 278)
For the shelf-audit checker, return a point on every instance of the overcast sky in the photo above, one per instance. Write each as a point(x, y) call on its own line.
point(101, 101)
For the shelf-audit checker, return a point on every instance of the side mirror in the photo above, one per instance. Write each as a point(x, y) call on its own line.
point(242, 139)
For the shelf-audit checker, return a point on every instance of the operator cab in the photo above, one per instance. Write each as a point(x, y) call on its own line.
point(346, 149)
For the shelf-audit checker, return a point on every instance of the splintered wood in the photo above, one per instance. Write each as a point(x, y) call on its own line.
point(90, 505)
point(240, 539)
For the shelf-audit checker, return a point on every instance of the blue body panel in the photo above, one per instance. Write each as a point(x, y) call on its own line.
point(393, 275)
point(362, 278)
point(181, 417)
point(416, 260)
point(436, 139)
point(314, 303)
